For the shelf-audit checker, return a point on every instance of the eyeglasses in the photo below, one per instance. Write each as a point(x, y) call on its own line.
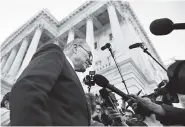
point(90, 55)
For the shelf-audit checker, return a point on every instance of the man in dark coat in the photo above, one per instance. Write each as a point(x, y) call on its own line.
point(48, 92)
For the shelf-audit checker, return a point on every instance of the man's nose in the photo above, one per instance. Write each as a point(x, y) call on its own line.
point(89, 62)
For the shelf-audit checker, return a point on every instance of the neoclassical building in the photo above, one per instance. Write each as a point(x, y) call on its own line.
point(98, 22)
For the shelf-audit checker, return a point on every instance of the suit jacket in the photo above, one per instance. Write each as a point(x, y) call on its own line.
point(48, 92)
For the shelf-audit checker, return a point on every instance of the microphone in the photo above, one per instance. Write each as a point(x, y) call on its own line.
point(136, 45)
point(107, 45)
point(164, 26)
point(103, 82)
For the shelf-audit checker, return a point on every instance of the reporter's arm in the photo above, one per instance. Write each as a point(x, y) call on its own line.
point(172, 114)
point(157, 109)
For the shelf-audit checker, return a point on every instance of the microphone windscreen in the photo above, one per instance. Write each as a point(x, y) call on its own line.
point(135, 45)
point(161, 26)
point(107, 45)
point(100, 80)
point(103, 48)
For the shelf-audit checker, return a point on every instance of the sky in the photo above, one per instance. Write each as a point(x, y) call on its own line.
point(14, 13)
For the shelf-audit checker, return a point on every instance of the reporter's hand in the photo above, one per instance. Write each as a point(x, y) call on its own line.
point(157, 109)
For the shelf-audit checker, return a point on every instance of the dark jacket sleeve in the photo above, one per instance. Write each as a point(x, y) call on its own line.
point(29, 95)
point(176, 116)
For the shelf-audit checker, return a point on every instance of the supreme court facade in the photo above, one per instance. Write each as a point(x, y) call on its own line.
point(98, 22)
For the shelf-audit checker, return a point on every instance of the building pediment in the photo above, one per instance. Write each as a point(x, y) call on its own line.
point(61, 29)
point(46, 15)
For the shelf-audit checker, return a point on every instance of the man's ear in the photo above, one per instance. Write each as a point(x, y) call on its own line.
point(5, 102)
point(75, 48)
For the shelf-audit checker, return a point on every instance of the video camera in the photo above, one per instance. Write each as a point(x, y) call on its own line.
point(162, 93)
point(88, 79)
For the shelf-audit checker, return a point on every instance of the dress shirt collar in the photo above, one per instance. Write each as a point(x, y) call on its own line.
point(70, 62)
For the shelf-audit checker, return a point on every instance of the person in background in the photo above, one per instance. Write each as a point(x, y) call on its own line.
point(113, 114)
point(97, 114)
point(5, 101)
point(5, 110)
point(92, 109)
point(128, 114)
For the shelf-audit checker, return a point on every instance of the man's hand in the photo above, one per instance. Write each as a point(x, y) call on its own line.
point(157, 109)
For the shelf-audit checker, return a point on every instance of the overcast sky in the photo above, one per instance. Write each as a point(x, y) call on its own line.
point(14, 13)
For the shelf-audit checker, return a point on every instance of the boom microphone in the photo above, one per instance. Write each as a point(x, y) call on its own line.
point(103, 82)
point(136, 45)
point(107, 45)
point(164, 26)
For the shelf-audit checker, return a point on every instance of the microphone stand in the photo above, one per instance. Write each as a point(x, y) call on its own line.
point(145, 50)
point(89, 89)
point(123, 81)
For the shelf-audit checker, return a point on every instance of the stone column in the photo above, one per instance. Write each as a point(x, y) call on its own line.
point(32, 48)
point(90, 32)
point(90, 38)
point(19, 58)
point(4, 61)
point(71, 35)
point(10, 60)
point(115, 26)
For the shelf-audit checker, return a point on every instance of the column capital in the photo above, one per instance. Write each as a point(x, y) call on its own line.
point(89, 17)
point(16, 46)
point(40, 26)
point(110, 3)
point(22, 39)
point(26, 37)
point(71, 28)
point(5, 55)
